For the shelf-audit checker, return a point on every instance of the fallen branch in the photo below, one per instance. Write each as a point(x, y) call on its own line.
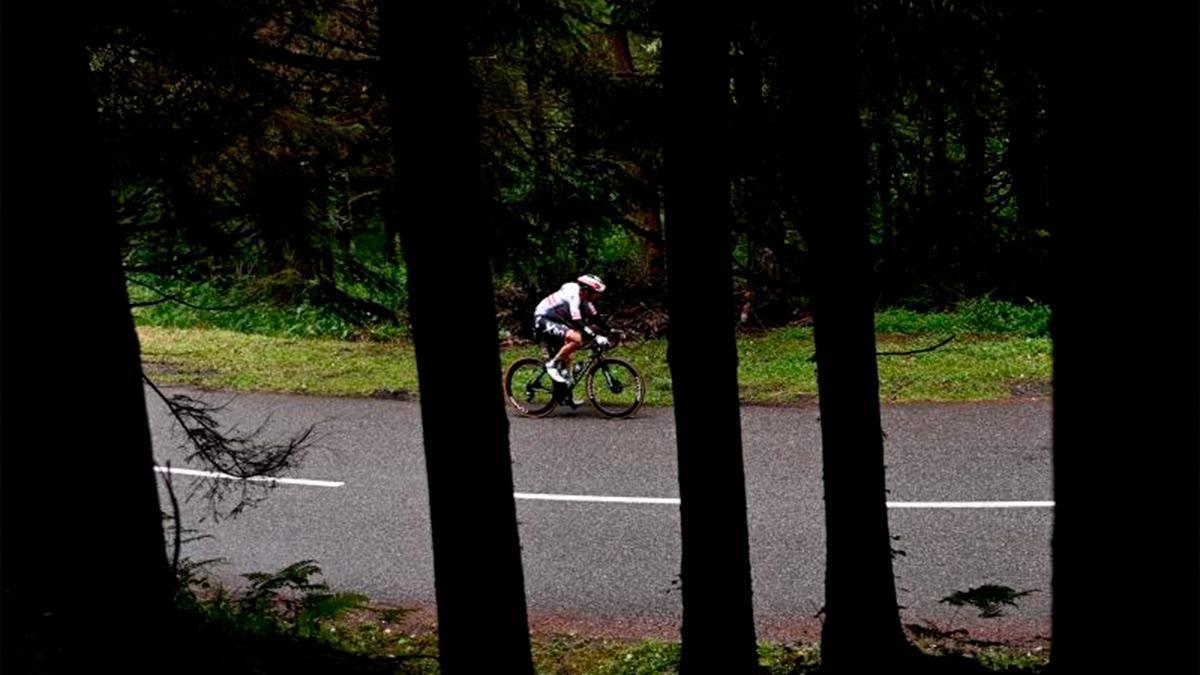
point(943, 343)
point(917, 351)
point(167, 297)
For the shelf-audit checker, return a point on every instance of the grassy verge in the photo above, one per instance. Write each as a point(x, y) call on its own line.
point(278, 624)
point(774, 366)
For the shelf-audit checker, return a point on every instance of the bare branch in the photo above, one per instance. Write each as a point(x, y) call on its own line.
point(285, 57)
point(231, 455)
point(176, 518)
point(917, 351)
point(168, 297)
point(813, 358)
point(345, 46)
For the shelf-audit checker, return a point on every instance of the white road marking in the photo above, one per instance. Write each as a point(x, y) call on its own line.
point(675, 501)
point(671, 501)
point(257, 479)
point(970, 505)
point(594, 498)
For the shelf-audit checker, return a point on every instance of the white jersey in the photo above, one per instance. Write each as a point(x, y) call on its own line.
point(564, 305)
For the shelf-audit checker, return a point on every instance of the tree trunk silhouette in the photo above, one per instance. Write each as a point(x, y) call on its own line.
point(81, 521)
point(1123, 204)
point(718, 618)
point(482, 622)
point(861, 633)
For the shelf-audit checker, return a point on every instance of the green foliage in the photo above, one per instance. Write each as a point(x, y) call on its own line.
point(287, 609)
point(234, 169)
point(289, 601)
point(288, 604)
point(789, 659)
point(975, 315)
point(989, 599)
point(956, 644)
point(191, 578)
point(984, 315)
point(281, 305)
point(648, 657)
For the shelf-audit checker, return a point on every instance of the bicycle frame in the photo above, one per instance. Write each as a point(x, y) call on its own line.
point(581, 368)
point(615, 377)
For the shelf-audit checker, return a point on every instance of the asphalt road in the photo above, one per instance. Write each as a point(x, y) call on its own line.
point(608, 567)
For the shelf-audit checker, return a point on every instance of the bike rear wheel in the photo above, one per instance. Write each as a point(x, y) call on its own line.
point(615, 388)
point(528, 388)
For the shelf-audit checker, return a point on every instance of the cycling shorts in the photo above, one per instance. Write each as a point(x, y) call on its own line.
point(544, 325)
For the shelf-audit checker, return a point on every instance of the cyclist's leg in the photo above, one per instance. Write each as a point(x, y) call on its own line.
point(552, 334)
point(571, 341)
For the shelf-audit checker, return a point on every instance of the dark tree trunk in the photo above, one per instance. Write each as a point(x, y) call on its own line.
point(482, 623)
point(82, 529)
point(718, 617)
point(284, 199)
point(321, 242)
point(764, 243)
point(861, 633)
point(1123, 117)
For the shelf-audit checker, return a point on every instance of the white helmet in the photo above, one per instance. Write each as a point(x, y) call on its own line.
point(592, 281)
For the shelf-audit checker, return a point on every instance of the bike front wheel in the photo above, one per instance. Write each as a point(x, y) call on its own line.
point(615, 388)
point(528, 388)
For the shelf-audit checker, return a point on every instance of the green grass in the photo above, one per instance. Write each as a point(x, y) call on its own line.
point(221, 359)
point(1000, 351)
point(977, 315)
point(576, 655)
point(774, 366)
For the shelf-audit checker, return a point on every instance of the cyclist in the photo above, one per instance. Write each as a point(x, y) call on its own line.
point(560, 316)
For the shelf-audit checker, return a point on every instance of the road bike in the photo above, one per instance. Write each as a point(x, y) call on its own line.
point(614, 387)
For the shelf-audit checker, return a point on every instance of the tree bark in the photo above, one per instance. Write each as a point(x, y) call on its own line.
point(861, 633)
point(718, 616)
point(82, 525)
point(479, 585)
point(1124, 213)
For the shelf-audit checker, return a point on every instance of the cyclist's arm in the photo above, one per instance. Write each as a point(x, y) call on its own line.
point(592, 326)
point(579, 318)
point(594, 318)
